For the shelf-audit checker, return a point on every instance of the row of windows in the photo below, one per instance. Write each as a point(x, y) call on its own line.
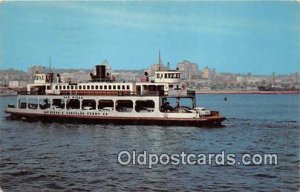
point(39, 77)
point(92, 87)
point(168, 75)
point(88, 104)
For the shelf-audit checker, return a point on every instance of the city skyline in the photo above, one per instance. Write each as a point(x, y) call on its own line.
point(235, 37)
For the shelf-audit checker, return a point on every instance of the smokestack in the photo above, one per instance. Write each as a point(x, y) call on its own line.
point(100, 73)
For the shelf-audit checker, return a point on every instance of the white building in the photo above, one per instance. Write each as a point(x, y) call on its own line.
point(17, 84)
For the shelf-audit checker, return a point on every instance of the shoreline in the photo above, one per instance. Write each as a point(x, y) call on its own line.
point(249, 92)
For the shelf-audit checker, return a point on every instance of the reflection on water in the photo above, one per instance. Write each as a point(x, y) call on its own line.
point(77, 157)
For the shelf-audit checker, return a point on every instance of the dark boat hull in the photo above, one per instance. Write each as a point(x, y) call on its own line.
point(208, 121)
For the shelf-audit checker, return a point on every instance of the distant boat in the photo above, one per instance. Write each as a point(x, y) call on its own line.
point(225, 98)
point(276, 88)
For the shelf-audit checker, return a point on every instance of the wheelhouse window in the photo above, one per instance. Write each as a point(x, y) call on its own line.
point(144, 106)
point(44, 103)
point(58, 104)
point(33, 103)
point(88, 104)
point(105, 105)
point(73, 104)
point(22, 103)
point(124, 105)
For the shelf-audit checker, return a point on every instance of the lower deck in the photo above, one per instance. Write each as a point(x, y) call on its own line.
point(112, 109)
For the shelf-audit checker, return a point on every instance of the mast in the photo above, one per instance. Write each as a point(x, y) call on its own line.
point(159, 61)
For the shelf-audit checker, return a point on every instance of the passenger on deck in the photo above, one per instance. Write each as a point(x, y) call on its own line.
point(167, 107)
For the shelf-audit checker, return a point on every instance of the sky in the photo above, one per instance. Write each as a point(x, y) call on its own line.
point(238, 37)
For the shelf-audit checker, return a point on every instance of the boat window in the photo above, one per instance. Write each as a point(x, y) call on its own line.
point(182, 105)
point(114, 87)
point(22, 103)
point(170, 86)
point(109, 87)
point(44, 103)
point(32, 103)
point(105, 105)
point(72, 87)
point(105, 87)
point(56, 87)
point(96, 87)
point(68, 87)
point(83, 87)
point(60, 87)
point(119, 87)
point(88, 104)
point(79, 86)
point(87, 87)
point(73, 104)
point(124, 105)
point(123, 87)
point(58, 104)
point(92, 87)
point(157, 75)
point(144, 106)
point(64, 87)
point(166, 75)
point(100, 86)
point(128, 87)
point(76, 86)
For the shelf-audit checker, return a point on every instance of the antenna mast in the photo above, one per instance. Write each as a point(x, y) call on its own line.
point(50, 64)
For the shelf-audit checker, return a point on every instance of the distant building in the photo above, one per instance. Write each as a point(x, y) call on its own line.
point(125, 76)
point(78, 76)
point(17, 84)
point(209, 74)
point(37, 69)
point(188, 69)
point(157, 67)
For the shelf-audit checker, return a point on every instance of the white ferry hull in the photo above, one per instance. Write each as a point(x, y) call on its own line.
point(209, 121)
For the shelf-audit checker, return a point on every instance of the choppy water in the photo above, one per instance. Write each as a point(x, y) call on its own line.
point(72, 157)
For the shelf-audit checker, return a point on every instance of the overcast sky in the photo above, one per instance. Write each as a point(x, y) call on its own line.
point(238, 37)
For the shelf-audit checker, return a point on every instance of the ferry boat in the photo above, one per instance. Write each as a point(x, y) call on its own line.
point(159, 100)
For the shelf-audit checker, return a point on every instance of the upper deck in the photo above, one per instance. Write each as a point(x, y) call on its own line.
point(164, 83)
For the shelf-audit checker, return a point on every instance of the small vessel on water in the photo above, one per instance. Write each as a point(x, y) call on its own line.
point(160, 100)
